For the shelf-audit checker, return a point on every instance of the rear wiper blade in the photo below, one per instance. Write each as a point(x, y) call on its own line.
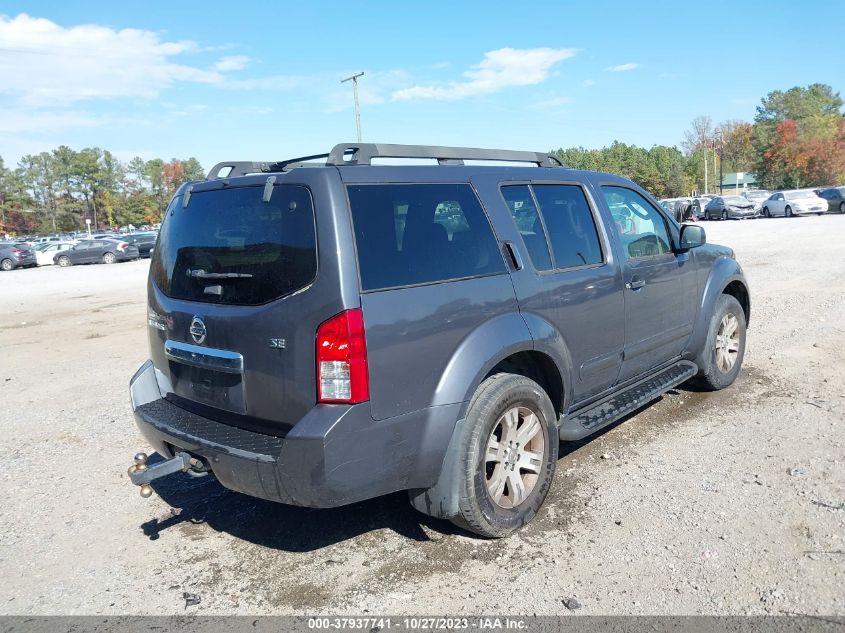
point(201, 274)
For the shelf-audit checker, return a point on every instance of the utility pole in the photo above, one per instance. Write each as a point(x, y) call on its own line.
point(721, 151)
point(354, 79)
point(705, 165)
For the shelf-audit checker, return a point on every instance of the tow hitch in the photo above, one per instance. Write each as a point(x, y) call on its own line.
point(141, 474)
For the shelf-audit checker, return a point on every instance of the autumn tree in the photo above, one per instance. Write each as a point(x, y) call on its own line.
point(796, 137)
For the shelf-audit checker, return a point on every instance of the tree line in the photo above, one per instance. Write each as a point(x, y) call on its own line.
point(58, 191)
point(797, 140)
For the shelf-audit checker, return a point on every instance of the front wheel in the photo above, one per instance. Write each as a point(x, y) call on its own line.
point(109, 258)
point(721, 360)
point(766, 212)
point(507, 455)
point(842, 207)
point(64, 261)
point(789, 212)
point(7, 264)
point(724, 215)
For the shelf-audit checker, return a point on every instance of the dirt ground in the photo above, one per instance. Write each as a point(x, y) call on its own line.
point(724, 503)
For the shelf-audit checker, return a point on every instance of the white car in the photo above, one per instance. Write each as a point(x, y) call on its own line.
point(794, 202)
point(45, 251)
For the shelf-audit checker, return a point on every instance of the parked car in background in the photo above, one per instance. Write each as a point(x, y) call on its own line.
point(698, 204)
point(835, 197)
point(144, 241)
point(758, 197)
point(106, 251)
point(16, 255)
point(730, 208)
point(45, 251)
point(794, 202)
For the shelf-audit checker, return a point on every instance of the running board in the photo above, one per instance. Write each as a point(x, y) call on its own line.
point(584, 422)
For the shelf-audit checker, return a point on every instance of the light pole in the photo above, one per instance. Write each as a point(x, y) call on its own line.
point(354, 79)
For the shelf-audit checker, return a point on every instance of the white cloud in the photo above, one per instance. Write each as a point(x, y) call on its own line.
point(588, 82)
point(44, 63)
point(231, 62)
point(500, 69)
point(622, 67)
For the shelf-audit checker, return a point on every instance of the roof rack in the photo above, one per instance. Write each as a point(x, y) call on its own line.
point(364, 153)
point(242, 168)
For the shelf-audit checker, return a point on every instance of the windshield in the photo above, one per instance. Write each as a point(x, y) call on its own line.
point(735, 200)
point(798, 195)
point(228, 246)
point(757, 195)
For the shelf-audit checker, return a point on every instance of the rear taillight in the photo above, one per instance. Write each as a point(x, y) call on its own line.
point(122, 247)
point(342, 374)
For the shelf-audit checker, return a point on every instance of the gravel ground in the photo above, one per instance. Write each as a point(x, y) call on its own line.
point(725, 503)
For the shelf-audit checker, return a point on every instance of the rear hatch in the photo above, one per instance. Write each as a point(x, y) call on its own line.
point(235, 298)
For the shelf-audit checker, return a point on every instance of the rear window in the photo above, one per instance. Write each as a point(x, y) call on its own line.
point(421, 233)
point(230, 247)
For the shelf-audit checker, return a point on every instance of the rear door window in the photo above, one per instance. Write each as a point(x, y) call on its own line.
point(421, 233)
point(570, 224)
point(229, 246)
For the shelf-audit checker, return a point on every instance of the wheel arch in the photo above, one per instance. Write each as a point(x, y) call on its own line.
point(726, 277)
point(505, 343)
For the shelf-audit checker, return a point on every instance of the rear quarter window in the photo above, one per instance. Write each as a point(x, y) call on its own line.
point(228, 246)
point(421, 233)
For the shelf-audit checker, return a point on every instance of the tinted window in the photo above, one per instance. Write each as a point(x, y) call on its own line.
point(570, 224)
point(228, 246)
point(524, 212)
point(413, 234)
point(640, 226)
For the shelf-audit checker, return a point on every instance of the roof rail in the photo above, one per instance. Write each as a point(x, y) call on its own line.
point(364, 153)
point(242, 168)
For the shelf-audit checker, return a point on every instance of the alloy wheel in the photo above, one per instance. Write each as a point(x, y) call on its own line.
point(516, 451)
point(727, 343)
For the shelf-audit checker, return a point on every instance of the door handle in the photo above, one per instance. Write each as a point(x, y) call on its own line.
point(635, 284)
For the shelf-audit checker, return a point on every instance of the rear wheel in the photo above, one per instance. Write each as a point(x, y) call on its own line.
point(721, 360)
point(842, 207)
point(724, 214)
point(788, 212)
point(109, 258)
point(64, 261)
point(7, 264)
point(507, 455)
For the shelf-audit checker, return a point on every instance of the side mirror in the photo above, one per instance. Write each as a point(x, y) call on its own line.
point(692, 236)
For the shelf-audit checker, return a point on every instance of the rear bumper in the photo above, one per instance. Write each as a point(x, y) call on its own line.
point(334, 455)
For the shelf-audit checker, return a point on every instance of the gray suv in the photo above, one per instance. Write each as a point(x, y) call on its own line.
point(326, 332)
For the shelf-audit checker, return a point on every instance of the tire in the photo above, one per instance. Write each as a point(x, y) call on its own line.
point(7, 264)
point(713, 373)
point(788, 212)
point(64, 261)
point(487, 423)
point(842, 207)
point(724, 214)
point(109, 258)
point(766, 212)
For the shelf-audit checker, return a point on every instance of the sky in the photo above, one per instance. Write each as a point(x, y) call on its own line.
point(261, 80)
